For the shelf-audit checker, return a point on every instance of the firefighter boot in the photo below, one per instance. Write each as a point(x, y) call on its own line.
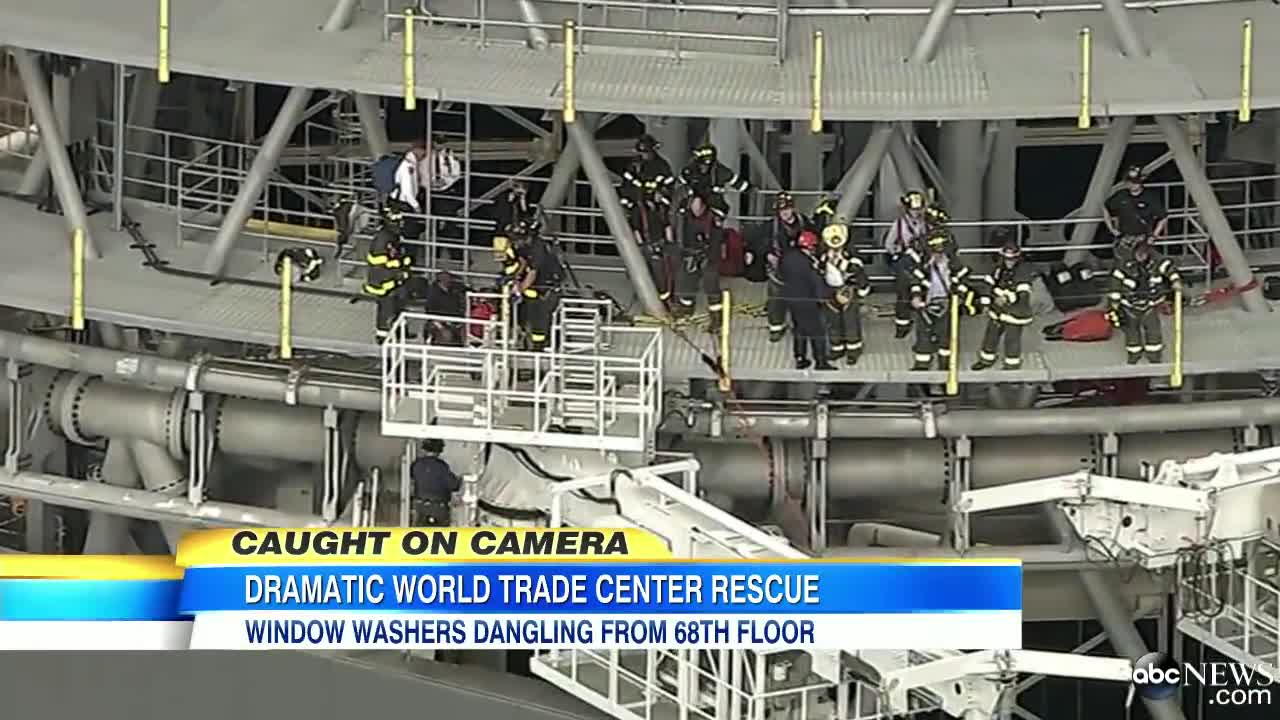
point(851, 357)
point(983, 363)
point(1135, 357)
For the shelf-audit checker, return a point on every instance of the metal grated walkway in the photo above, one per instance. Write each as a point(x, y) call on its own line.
point(35, 275)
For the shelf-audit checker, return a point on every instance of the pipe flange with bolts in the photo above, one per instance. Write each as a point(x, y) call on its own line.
point(69, 408)
point(174, 421)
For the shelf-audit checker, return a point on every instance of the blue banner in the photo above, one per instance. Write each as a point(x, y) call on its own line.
point(798, 588)
point(82, 600)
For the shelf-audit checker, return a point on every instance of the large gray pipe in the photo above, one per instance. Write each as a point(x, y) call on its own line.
point(108, 533)
point(855, 184)
point(53, 142)
point(102, 498)
point(372, 124)
point(1041, 558)
point(1115, 618)
point(314, 390)
point(161, 475)
point(264, 163)
point(990, 423)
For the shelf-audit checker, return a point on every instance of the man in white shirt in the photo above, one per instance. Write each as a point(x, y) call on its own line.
point(408, 179)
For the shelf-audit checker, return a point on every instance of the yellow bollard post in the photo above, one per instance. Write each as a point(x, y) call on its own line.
point(410, 64)
point(726, 311)
point(953, 343)
point(162, 52)
point(1175, 377)
point(286, 310)
point(1085, 120)
point(815, 115)
point(1246, 73)
point(77, 280)
point(570, 74)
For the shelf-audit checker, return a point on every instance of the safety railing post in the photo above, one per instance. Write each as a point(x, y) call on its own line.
point(569, 80)
point(410, 63)
point(1085, 119)
point(815, 112)
point(77, 279)
point(162, 50)
point(726, 312)
point(286, 309)
point(1175, 377)
point(953, 343)
point(1246, 72)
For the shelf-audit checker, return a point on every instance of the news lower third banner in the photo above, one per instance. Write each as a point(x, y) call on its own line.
point(495, 589)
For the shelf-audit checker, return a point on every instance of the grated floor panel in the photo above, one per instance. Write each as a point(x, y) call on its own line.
point(120, 290)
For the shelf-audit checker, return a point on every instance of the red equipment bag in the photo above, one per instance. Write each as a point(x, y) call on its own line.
point(1084, 326)
point(480, 310)
point(733, 254)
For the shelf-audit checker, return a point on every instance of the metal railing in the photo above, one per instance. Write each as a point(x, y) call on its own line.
point(677, 29)
point(1232, 604)
point(680, 29)
point(492, 392)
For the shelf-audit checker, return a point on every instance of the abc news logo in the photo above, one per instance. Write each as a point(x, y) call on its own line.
point(1156, 676)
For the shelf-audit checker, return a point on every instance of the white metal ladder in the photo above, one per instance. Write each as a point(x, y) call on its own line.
point(579, 336)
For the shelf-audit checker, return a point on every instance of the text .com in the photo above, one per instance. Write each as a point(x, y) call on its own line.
point(1156, 676)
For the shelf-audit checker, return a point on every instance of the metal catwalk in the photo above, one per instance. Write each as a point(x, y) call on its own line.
point(120, 290)
point(1003, 64)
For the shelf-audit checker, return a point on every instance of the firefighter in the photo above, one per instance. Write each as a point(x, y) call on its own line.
point(386, 271)
point(824, 214)
point(772, 239)
point(1133, 213)
point(806, 294)
point(540, 284)
point(936, 217)
point(647, 170)
point(434, 484)
point(650, 220)
point(1137, 289)
point(1007, 300)
point(707, 178)
point(306, 264)
point(514, 206)
point(699, 241)
point(903, 248)
point(847, 279)
point(934, 282)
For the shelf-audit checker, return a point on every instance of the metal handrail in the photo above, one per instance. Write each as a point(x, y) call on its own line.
point(1034, 9)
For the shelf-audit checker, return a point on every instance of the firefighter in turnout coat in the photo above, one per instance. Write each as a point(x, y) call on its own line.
point(845, 275)
point(1137, 289)
point(934, 282)
point(772, 239)
point(1006, 297)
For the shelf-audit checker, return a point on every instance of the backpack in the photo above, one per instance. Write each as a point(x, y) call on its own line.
point(732, 254)
point(384, 173)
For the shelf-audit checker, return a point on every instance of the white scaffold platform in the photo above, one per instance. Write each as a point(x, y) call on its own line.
point(577, 394)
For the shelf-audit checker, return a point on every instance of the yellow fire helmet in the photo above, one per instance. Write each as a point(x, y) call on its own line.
point(835, 235)
point(938, 239)
point(502, 246)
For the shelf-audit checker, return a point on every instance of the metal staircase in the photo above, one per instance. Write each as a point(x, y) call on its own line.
point(578, 334)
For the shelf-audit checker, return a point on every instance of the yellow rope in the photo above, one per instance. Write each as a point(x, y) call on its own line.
point(747, 310)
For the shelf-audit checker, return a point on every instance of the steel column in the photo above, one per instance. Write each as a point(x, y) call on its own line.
point(119, 120)
point(726, 135)
point(607, 198)
point(755, 156)
point(1107, 602)
point(1104, 174)
point(960, 148)
point(144, 103)
point(904, 163)
point(559, 189)
point(1220, 231)
point(538, 39)
point(55, 149)
point(368, 107)
point(264, 162)
point(1130, 43)
point(673, 134)
point(855, 184)
point(934, 28)
point(1001, 182)
point(806, 157)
